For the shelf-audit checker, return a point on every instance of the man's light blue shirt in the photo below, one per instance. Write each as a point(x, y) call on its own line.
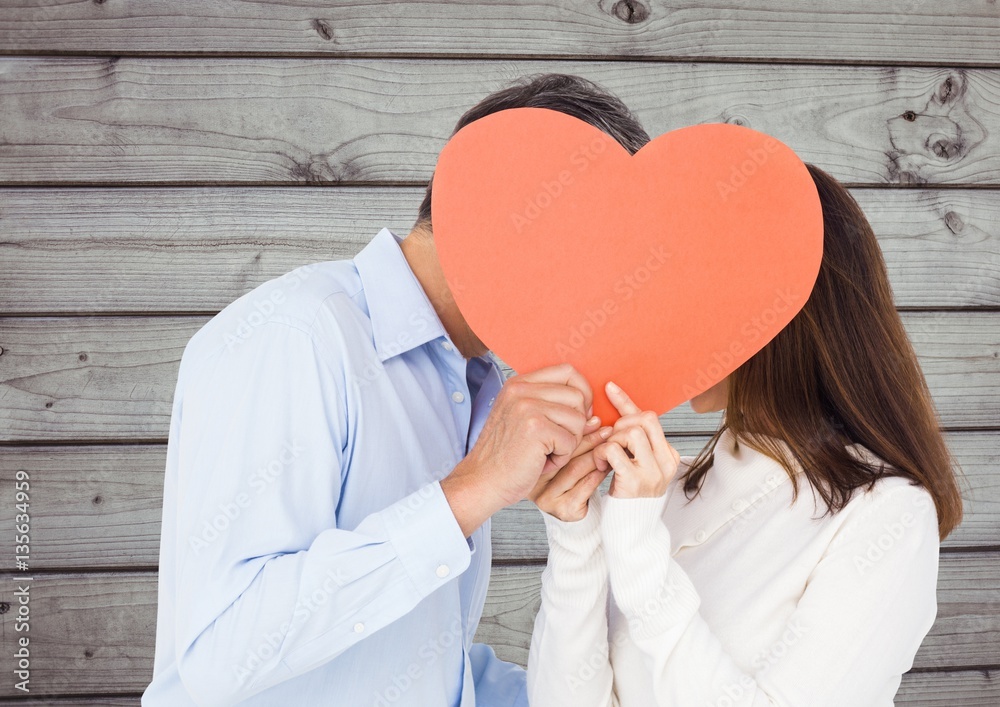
point(308, 555)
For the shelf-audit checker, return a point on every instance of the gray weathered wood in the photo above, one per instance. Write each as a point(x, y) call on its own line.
point(98, 507)
point(969, 688)
point(156, 120)
point(113, 378)
point(95, 632)
point(93, 250)
point(893, 31)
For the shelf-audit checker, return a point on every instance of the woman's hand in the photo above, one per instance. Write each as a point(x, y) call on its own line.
point(565, 494)
point(643, 461)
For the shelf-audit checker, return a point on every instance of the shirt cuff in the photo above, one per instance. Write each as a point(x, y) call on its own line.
point(653, 591)
point(427, 538)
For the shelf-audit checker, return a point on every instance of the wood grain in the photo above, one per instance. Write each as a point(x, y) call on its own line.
point(894, 31)
point(80, 120)
point(99, 507)
point(92, 250)
point(95, 632)
point(113, 378)
point(969, 688)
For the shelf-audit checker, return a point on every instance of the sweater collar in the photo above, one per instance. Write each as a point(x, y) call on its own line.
point(739, 480)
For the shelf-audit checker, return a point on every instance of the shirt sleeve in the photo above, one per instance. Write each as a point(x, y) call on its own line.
point(568, 661)
point(854, 632)
point(267, 586)
point(498, 683)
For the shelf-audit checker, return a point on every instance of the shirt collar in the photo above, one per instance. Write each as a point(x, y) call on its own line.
point(738, 482)
point(402, 316)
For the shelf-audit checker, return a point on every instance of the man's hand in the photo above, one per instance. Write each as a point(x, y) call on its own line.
point(565, 494)
point(536, 423)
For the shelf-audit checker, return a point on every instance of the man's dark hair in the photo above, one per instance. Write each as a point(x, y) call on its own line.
point(572, 95)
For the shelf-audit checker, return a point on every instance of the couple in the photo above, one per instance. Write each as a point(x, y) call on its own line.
point(340, 439)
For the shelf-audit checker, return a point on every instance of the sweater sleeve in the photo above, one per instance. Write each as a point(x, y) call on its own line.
point(865, 610)
point(568, 660)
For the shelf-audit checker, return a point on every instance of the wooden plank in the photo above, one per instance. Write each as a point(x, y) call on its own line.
point(966, 633)
point(113, 378)
point(95, 632)
point(78, 120)
point(91, 507)
point(92, 250)
point(88, 633)
point(99, 701)
point(894, 31)
point(99, 507)
point(969, 688)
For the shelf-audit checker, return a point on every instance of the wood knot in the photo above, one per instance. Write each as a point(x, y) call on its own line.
point(738, 120)
point(954, 222)
point(98, 500)
point(48, 405)
point(82, 357)
point(630, 11)
point(4, 607)
point(909, 116)
point(88, 653)
point(946, 148)
point(323, 29)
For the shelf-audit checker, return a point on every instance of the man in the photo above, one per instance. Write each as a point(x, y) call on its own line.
point(338, 443)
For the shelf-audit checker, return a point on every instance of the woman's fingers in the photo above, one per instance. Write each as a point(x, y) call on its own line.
point(617, 459)
point(620, 399)
point(634, 440)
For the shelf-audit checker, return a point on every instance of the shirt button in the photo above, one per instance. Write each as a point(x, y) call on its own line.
point(700, 537)
point(359, 627)
point(447, 345)
point(457, 397)
point(443, 571)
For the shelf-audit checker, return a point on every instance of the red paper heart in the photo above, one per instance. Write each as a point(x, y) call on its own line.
point(663, 271)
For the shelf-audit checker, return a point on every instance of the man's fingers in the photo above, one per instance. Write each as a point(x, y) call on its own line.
point(563, 374)
point(620, 399)
point(559, 394)
point(570, 475)
point(570, 419)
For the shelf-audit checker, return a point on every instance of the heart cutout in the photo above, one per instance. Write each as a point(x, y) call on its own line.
point(663, 271)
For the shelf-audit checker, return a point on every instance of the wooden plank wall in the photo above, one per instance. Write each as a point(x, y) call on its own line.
point(158, 160)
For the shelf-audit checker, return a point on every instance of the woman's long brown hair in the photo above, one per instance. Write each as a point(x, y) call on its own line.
point(842, 372)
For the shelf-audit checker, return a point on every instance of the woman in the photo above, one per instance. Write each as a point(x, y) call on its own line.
point(794, 561)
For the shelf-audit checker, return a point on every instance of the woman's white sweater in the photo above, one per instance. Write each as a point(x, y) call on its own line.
point(738, 597)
